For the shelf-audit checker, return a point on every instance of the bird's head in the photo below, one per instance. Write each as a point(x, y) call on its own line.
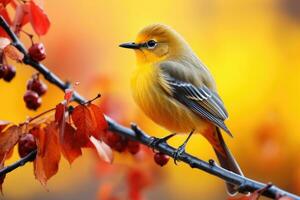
point(155, 43)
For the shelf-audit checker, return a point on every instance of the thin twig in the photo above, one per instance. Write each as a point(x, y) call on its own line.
point(244, 184)
point(19, 163)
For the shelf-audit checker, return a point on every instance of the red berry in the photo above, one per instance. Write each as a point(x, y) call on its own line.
point(26, 145)
point(37, 86)
point(37, 52)
point(121, 145)
point(161, 159)
point(115, 141)
point(133, 147)
point(110, 138)
point(10, 73)
point(3, 69)
point(32, 100)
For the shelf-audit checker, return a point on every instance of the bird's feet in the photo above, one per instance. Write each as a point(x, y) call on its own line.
point(156, 141)
point(181, 149)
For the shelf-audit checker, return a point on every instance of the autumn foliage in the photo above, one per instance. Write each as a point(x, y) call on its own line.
point(56, 134)
point(68, 128)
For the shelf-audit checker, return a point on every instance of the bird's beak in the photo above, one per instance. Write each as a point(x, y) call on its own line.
point(130, 45)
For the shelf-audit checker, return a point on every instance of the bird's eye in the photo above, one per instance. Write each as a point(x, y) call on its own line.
point(151, 44)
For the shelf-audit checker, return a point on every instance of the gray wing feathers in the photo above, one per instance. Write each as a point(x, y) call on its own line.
point(201, 100)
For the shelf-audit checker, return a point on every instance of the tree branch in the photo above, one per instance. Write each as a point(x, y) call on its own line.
point(19, 163)
point(244, 184)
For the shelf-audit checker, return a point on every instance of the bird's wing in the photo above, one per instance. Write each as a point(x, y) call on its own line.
point(200, 99)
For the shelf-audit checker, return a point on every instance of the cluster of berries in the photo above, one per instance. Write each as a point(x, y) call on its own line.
point(35, 89)
point(121, 144)
point(27, 144)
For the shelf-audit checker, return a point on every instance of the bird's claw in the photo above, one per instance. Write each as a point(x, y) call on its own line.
point(181, 148)
point(155, 142)
point(178, 152)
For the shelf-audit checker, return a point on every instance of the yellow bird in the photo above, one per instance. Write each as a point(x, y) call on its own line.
point(176, 90)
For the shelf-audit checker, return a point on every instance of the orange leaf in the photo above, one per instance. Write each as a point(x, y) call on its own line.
point(13, 53)
point(8, 139)
point(103, 150)
point(82, 139)
point(99, 120)
point(70, 148)
point(48, 155)
point(60, 112)
point(38, 18)
point(84, 123)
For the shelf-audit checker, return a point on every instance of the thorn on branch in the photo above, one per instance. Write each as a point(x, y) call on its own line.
point(211, 162)
point(268, 186)
point(137, 130)
point(90, 101)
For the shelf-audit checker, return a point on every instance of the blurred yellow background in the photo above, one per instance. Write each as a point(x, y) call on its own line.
point(251, 47)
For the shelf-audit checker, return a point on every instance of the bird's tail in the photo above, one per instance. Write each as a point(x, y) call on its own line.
point(226, 160)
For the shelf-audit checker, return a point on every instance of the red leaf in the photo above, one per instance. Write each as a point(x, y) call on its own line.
point(89, 121)
point(48, 155)
point(60, 113)
point(98, 117)
point(83, 139)
point(84, 123)
point(4, 2)
point(38, 19)
point(70, 148)
point(103, 150)
point(5, 15)
point(8, 139)
point(21, 17)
